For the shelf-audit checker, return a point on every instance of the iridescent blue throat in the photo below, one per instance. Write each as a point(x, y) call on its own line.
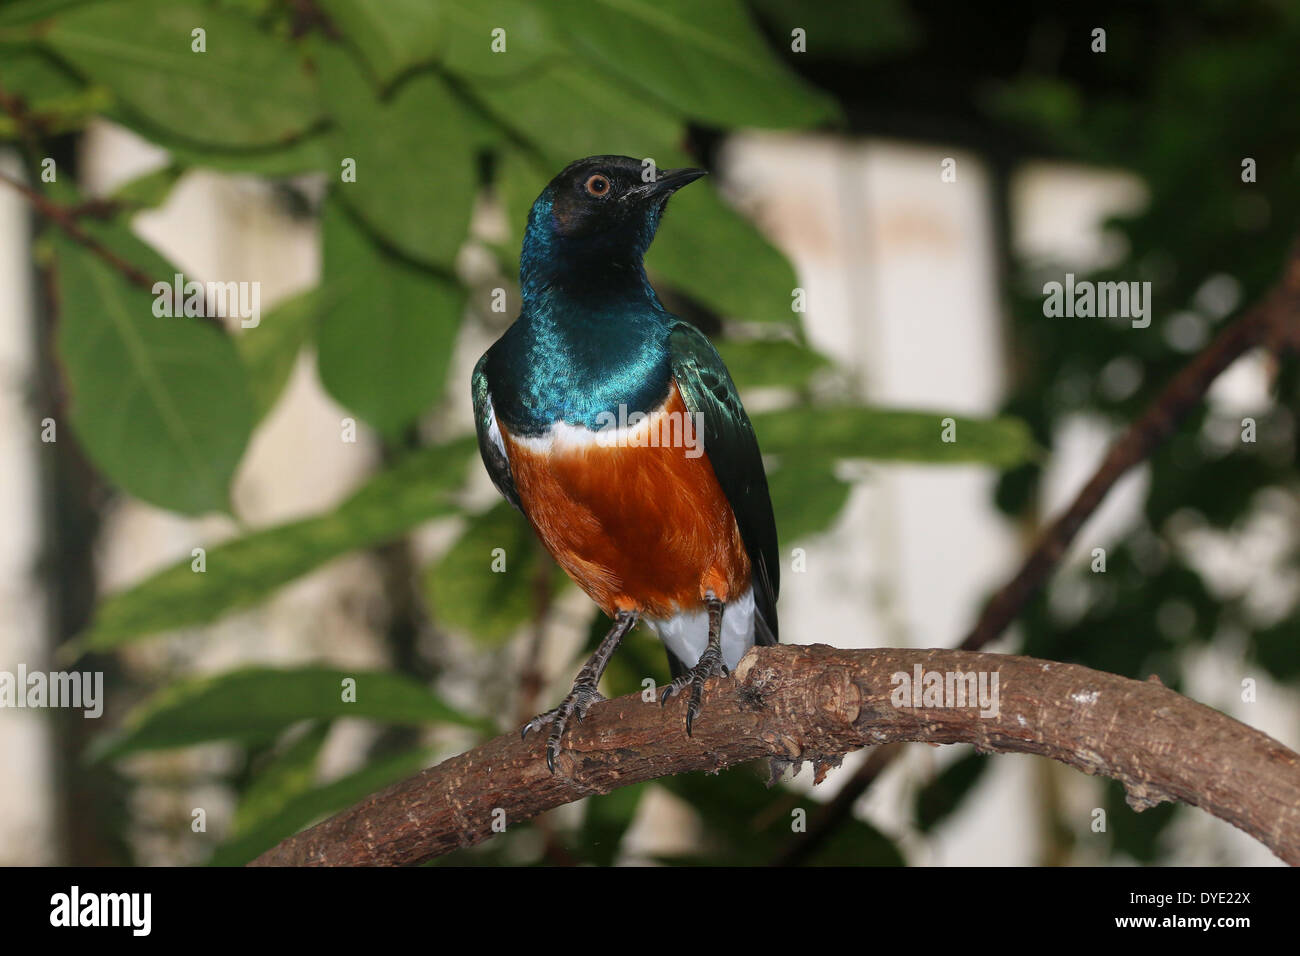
point(591, 335)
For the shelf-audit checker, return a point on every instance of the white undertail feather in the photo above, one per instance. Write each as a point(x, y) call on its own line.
point(686, 634)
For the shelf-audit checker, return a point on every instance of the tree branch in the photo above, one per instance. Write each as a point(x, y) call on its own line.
point(816, 703)
point(1274, 322)
point(1136, 732)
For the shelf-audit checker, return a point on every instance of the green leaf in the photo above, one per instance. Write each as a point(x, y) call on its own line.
point(806, 496)
point(256, 703)
point(467, 37)
point(858, 843)
point(249, 569)
point(161, 405)
point(707, 249)
point(48, 88)
point(606, 823)
point(845, 30)
point(24, 12)
point(306, 154)
point(290, 773)
point(1140, 835)
point(393, 35)
point(892, 435)
point(415, 177)
point(703, 60)
point(39, 79)
point(151, 189)
point(517, 182)
point(757, 363)
point(271, 348)
point(746, 824)
point(247, 89)
point(941, 797)
point(387, 331)
point(116, 234)
point(570, 110)
point(311, 806)
point(1275, 647)
point(469, 594)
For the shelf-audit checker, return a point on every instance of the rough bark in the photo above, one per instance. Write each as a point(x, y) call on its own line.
point(816, 703)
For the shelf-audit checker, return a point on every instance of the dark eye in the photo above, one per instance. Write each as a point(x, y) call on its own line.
point(597, 185)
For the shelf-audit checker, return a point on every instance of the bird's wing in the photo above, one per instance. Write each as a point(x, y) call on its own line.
point(732, 449)
point(490, 445)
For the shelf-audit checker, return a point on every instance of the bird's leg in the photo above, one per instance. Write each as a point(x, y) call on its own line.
point(710, 665)
point(584, 692)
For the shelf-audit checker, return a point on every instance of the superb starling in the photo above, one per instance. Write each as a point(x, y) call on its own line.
point(615, 428)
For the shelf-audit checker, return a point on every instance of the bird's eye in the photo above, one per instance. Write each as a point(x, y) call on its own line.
point(598, 185)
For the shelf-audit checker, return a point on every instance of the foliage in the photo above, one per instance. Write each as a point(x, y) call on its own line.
point(1183, 117)
point(411, 95)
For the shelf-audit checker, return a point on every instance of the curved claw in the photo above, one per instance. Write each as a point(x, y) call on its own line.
point(693, 708)
point(574, 707)
point(537, 722)
point(709, 665)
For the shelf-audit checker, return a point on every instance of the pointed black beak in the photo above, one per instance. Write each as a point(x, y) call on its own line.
point(667, 182)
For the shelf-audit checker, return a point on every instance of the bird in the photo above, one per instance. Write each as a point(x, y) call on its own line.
point(616, 429)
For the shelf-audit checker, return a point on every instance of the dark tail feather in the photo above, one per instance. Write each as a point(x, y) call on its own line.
point(765, 626)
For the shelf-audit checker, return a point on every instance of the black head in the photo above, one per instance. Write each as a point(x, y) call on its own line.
point(606, 207)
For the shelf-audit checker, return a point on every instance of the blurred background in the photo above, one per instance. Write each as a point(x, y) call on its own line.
point(229, 521)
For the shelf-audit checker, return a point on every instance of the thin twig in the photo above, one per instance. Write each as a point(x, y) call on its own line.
point(30, 128)
point(1156, 424)
point(306, 16)
point(65, 217)
point(66, 220)
point(28, 125)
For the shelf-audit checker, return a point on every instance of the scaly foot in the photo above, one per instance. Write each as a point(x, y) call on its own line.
point(583, 695)
point(710, 665)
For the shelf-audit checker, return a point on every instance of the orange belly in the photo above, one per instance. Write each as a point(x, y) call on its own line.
point(638, 528)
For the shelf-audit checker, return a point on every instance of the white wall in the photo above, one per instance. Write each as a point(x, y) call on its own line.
point(26, 784)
